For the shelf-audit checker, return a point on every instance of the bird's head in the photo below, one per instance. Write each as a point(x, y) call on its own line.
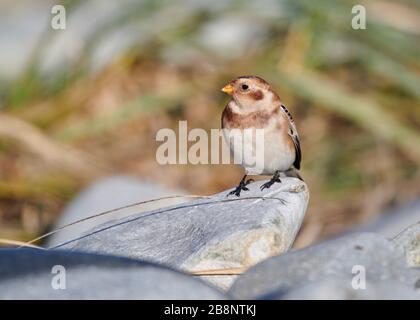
point(251, 93)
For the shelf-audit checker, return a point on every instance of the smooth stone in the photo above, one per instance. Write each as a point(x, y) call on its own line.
point(27, 274)
point(107, 194)
point(215, 232)
point(341, 289)
point(381, 259)
point(392, 221)
point(409, 240)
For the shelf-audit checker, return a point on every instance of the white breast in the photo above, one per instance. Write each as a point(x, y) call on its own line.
point(260, 155)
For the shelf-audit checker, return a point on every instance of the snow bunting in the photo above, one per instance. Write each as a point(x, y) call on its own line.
point(255, 105)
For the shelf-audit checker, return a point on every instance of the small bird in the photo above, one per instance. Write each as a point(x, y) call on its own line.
point(255, 105)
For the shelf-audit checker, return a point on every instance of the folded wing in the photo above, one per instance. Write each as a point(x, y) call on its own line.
point(292, 131)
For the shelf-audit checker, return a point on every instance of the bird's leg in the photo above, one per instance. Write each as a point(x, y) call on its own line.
point(274, 179)
point(241, 186)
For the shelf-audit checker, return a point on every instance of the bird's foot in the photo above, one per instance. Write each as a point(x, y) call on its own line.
point(242, 186)
point(273, 180)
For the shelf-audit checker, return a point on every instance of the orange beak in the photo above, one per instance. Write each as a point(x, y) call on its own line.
point(228, 89)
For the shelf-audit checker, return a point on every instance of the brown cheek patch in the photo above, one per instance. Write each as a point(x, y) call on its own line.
point(257, 95)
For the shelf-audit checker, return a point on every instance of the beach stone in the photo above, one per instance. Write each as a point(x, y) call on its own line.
point(393, 220)
point(341, 289)
point(28, 274)
point(215, 232)
point(343, 257)
point(107, 194)
point(409, 240)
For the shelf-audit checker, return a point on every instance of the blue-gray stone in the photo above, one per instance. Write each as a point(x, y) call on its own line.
point(409, 241)
point(342, 257)
point(215, 232)
point(27, 274)
point(107, 194)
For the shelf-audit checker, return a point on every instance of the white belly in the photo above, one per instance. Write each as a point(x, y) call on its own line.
point(260, 156)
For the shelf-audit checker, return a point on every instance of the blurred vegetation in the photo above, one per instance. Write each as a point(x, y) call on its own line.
point(355, 95)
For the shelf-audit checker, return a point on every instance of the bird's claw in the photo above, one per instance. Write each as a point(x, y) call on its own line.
point(242, 186)
point(268, 184)
point(236, 192)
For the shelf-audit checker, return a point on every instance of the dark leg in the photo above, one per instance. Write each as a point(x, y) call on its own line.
point(274, 179)
point(242, 186)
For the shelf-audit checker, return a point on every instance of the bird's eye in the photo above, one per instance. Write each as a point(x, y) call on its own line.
point(244, 87)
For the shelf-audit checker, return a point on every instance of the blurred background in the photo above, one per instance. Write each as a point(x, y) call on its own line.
point(84, 103)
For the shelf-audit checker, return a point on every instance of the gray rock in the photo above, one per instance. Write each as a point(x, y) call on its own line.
point(394, 220)
point(27, 274)
point(106, 194)
point(341, 289)
point(211, 233)
point(21, 25)
point(409, 240)
point(380, 258)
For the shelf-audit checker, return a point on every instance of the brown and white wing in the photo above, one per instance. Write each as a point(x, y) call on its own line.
point(292, 131)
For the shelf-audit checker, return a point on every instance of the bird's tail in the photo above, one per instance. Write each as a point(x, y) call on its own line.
point(294, 173)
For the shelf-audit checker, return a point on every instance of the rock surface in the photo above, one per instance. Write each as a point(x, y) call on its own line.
point(343, 257)
point(409, 240)
point(211, 233)
point(341, 289)
point(392, 221)
point(219, 232)
point(106, 194)
point(27, 274)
